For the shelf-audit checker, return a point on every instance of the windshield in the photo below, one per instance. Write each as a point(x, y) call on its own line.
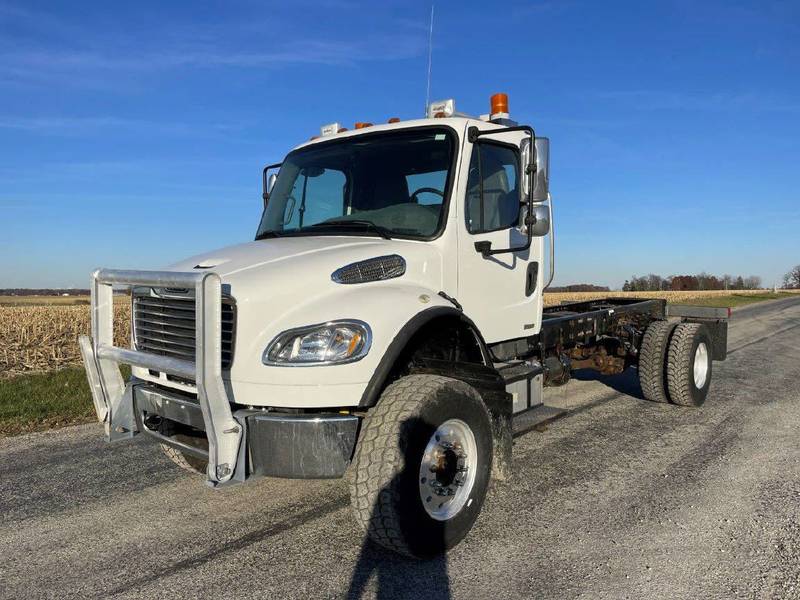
point(388, 184)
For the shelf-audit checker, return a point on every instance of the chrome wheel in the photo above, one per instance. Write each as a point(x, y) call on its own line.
point(448, 468)
point(700, 365)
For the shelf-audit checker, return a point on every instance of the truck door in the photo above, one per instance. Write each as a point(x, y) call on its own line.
point(500, 293)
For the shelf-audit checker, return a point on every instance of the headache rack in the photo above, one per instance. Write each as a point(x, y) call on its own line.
point(201, 360)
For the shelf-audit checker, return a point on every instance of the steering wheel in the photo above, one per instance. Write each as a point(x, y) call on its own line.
point(423, 190)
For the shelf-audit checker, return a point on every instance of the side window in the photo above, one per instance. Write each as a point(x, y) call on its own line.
point(492, 201)
point(324, 189)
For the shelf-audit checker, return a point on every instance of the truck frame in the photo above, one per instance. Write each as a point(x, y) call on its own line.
point(415, 345)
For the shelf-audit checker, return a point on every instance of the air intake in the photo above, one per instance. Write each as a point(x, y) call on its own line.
point(372, 269)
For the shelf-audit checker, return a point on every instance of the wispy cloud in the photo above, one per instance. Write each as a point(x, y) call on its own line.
point(299, 52)
point(37, 48)
point(686, 101)
point(82, 126)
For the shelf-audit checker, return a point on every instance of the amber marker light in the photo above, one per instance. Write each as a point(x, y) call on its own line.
point(499, 104)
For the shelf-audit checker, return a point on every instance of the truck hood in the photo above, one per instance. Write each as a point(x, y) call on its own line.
point(303, 261)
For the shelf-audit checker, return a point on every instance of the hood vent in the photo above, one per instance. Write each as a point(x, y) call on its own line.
point(372, 269)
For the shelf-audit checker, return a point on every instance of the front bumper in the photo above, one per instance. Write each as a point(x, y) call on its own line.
point(230, 457)
point(290, 445)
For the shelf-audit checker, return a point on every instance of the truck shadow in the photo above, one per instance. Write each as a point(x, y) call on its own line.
point(626, 382)
point(398, 576)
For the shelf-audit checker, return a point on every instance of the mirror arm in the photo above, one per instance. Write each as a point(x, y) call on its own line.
point(264, 181)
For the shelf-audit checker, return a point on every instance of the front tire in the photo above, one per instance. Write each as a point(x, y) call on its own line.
point(186, 461)
point(689, 364)
point(421, 469)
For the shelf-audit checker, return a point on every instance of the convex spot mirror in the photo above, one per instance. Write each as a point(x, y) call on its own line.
point(541, 224)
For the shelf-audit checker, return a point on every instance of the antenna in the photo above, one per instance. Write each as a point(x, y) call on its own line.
point(430, 57)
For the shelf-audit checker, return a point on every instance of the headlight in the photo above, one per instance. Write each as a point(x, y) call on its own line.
point(334, 342)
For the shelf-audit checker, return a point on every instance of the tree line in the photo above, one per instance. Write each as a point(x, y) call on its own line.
point(701, 281)
point(43, 292)
point(791, 281)
point(578, 287)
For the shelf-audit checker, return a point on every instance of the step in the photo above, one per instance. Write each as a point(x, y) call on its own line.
point(538, 415)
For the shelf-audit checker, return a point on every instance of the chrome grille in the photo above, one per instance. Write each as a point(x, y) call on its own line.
point(166, 326)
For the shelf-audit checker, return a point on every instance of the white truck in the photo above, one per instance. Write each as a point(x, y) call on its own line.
point(386, 324)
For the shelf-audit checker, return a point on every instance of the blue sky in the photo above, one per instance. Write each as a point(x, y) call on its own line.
point(133, 134)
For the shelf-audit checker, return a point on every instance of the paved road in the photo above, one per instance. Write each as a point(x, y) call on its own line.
point(621, 498)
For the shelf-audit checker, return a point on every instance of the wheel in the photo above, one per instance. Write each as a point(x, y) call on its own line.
point(186, 461)
point(653, 361)
point(421, 469)
point(689, 364)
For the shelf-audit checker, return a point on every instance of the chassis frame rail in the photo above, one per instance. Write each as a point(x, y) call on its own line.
point(113, 399)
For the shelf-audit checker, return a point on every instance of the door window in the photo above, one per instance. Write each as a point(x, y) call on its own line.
point(493, 200)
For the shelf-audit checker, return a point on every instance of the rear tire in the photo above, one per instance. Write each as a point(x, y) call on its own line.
point(689, 363)
point(409, 490)
point(653, 361)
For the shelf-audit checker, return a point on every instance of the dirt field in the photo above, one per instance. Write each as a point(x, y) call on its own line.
point(39, 333)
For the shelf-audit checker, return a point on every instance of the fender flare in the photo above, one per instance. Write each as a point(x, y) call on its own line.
point(376, 383)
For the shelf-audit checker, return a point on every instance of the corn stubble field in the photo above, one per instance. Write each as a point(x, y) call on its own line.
point(42, 336)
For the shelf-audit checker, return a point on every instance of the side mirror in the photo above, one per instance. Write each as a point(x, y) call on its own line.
point(541, 179)
point(541, 220)
point(268, 182)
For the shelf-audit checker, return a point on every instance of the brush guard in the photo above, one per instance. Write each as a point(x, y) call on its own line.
point(113, 399)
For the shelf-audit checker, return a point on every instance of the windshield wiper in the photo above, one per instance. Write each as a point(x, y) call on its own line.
point(363, 223)
point(268, 234)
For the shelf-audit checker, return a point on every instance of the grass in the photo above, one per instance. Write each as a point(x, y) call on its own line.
point(733, 300)
point(41, 401)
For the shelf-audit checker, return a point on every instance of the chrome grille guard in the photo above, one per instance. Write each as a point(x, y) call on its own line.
point(113, 400)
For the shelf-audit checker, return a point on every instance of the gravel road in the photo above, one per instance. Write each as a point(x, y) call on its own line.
point(619, 498)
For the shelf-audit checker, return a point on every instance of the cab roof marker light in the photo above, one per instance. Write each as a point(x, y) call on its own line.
point(330, 129)
point(446, 108)
point(393, 120)
point(362, 125)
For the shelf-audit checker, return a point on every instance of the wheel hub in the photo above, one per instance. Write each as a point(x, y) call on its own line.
point(447, 470)
point(700, 370)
